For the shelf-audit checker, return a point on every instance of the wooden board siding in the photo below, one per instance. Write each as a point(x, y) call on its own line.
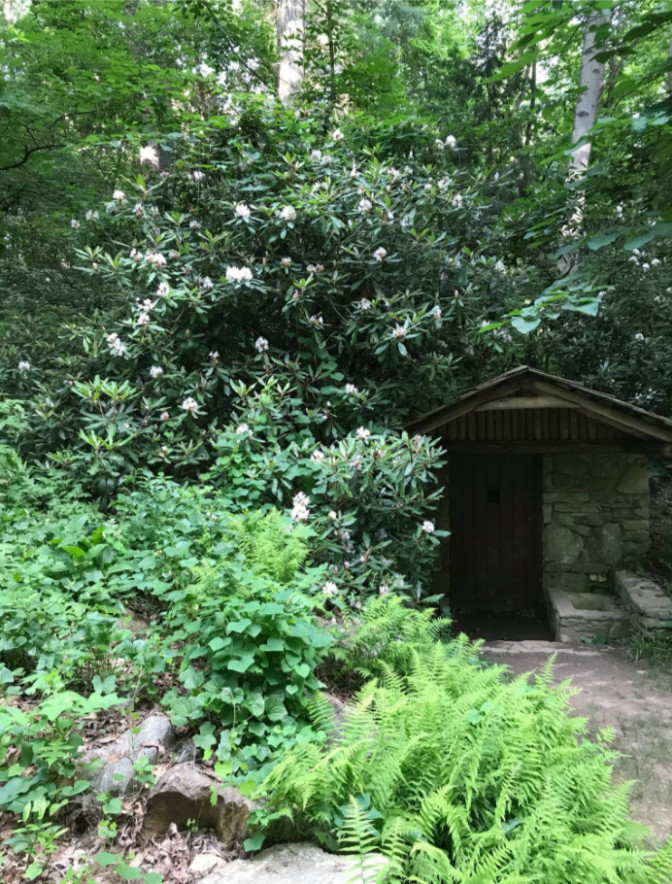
point(496, 557)
point(530, 425)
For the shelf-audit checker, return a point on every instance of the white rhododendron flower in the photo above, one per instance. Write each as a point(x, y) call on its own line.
point(241, 210)
point(261, 344)
point(286, 262)
point(115, 344)
point(74, 224)
point(206, 283)
point(119, 196)
point(165, 416)
point(214, 356)
point(238, 274)
point(143, 319)
point(288, 213)
point(365, 206)
point(337, 135)
point(24, 365)
point(190, 405)
point(163, 290)
point(380, 254)
point(399, 332)
point(300, 508)
point(351, 390)
point(428, 527)
point(330, 588)
point(317, 455)
point(92, 215)
point(198, 175)
point(451, 142)
point(363, 433)
point(155, 372)
point(155, 258)
point(241, 429)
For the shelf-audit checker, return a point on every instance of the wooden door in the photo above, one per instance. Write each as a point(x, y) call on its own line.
point(495, 546)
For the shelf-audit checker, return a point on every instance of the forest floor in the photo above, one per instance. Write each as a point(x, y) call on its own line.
point(633, 699)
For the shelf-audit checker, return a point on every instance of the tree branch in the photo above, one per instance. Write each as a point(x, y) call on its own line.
point(29, 151)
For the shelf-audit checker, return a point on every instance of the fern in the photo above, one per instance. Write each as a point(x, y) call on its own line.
point(477, 778)
point(359, 838)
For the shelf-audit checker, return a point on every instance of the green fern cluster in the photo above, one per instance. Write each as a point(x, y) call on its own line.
point(457, 774)
point(386, 633)
point(269, 547)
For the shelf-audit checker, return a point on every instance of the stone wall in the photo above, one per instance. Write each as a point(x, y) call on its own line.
point(596, 517)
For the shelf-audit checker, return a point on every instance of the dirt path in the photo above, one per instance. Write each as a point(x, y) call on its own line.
point(635, 701)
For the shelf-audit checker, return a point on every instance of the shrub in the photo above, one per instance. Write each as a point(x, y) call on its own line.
point(268, 251)
point(368, 498)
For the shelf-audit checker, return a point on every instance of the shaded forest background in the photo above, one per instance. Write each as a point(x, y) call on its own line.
point(416, 209)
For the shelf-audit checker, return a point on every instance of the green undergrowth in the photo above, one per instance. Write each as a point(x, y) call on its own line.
point(458, 773)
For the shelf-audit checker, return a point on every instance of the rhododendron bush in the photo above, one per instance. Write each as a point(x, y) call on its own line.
point(266, 250)
point(289, 297)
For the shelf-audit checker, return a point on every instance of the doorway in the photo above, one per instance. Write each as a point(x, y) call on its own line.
point(496, 548)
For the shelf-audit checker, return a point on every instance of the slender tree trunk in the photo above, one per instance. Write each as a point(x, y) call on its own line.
point(289, 28)
point(591, 82)
point(669, 73)
point(588, 102)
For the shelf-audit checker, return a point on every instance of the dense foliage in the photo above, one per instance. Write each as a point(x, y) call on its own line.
point(233, 270)
point(455, 773)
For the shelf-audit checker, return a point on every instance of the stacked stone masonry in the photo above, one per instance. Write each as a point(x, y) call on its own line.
point(596, 517)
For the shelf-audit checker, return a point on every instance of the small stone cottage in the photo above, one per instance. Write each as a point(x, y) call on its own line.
point(547, 489)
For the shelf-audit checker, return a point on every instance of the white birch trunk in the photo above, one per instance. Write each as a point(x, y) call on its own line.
point(289, 27)
point(591, 82)
point(588, 102)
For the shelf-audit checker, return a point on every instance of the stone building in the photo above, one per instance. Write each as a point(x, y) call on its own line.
point(547, 490)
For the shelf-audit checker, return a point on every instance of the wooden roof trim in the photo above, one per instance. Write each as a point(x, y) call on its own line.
point(621, 415)
point(609, 413)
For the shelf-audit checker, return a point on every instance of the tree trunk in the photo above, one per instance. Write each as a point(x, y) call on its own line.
point(289, 27)
point(588, 102)
point(591, 82)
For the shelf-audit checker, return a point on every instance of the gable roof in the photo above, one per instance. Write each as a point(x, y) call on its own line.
point(557, 392)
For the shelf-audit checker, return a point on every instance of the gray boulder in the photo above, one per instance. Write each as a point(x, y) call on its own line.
point(295, 864)
point(184, 793)
point(154, 736)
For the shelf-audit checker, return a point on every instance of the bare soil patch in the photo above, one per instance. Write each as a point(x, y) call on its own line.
point(634, 700)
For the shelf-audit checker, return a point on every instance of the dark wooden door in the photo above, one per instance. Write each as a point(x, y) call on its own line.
point(495, 546)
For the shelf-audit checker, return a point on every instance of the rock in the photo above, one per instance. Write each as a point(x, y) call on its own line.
point(561, 544)
point(294, 864)
point(154, 735)
point(203, 863)
point(185, 752)
point(635, 481)
point(184, 793)
point(339, 708)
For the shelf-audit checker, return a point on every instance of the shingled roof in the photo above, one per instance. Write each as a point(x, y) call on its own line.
point(525, 381)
